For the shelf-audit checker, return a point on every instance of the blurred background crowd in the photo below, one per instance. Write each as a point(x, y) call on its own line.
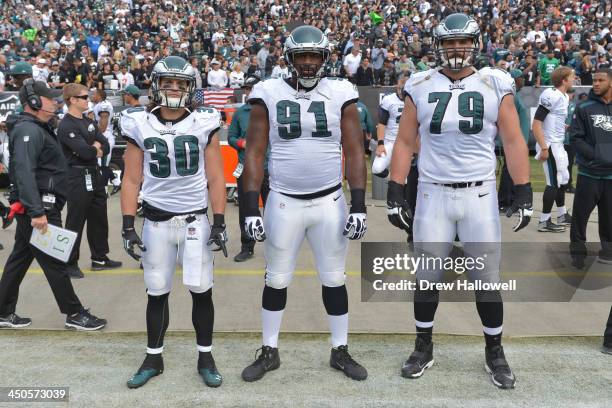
point(113, 44)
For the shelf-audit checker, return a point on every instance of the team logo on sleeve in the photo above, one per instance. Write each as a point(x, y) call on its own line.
point(603, 122)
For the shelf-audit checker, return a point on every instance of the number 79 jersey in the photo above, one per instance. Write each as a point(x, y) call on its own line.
point(305, 138)
point(458, 123)
point(173, 168)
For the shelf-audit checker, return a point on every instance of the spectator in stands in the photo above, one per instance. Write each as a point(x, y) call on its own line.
point(40, 71)
point(351, 63)
point(56, 79)
point(125, 78)
point(217, 78)
point(333, 68)
point(105, 76)
point(281, 70)
point(236, 77)
point(546, 66)
point(379, 56)
point(365, 74)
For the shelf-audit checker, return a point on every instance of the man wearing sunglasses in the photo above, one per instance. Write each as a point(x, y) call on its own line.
point(83, 144)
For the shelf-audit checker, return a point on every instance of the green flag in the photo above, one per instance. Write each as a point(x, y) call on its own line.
point(376, 19)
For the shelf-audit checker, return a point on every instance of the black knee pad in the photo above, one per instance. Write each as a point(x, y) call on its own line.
point(274, 300)
point(335, 300)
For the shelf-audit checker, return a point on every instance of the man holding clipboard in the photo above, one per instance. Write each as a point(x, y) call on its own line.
point(38, 173)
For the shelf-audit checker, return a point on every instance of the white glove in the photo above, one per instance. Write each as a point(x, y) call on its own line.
point(254, 228)
point(355, 226)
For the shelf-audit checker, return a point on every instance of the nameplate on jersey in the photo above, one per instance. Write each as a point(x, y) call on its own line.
point(56, 242)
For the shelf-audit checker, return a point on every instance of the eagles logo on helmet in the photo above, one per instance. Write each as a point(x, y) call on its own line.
point(455, 27)
point(173, 67)
point(306, 40)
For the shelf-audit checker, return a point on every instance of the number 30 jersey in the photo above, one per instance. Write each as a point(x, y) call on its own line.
point(305, 138)
point(174, 168)
point(458, 123)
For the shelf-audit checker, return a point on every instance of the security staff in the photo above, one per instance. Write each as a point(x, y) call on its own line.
point(591, 137)
point(236, 138)
point(83, 144)
point(38, 172)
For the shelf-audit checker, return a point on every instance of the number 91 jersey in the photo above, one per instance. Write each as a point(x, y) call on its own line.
point(174, 168)
point(305, 138)
point(458, 123)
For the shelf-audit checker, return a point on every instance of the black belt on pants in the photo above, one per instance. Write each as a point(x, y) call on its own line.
point(462, 185)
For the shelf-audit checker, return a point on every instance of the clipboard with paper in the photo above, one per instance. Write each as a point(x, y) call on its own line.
point(56, 242)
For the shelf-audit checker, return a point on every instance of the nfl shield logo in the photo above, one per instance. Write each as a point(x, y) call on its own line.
point(191, 231)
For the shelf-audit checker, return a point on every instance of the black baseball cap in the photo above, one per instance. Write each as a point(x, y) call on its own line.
point(39, 88)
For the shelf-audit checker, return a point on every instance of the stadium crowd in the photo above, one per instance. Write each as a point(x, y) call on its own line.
point(113, 44)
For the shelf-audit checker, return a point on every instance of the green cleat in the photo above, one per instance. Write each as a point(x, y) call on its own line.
point(208, 370)
point(152, 366)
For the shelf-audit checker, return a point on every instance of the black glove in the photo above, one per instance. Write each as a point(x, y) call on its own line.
point(218, 235)
point(131, 238)
point(398, 210)
point(522, 205)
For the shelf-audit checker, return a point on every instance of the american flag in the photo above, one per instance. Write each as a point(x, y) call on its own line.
point(215, 98)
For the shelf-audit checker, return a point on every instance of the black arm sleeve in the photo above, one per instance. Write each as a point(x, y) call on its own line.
point(541, 113)
point(27, 142)
point(383, 116)
point(76, 143)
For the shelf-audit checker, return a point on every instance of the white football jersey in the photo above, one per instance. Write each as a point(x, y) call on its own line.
point(174, 168)
point(554, 124)
point(105, 106)
point(394, 105)
point(458, 123)
point(305, 140)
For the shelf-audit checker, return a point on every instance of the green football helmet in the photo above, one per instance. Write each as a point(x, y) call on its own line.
point(176, 68)
point(307, 39)
point(456, 26)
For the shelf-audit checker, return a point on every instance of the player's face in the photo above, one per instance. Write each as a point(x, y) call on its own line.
point(308, 63)
point(456, 46)
point(601, 83)
point(570, 80)
point(173, 87)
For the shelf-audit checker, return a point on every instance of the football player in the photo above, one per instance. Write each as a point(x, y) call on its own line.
point(177, 151)
point(456, 191)
point(549, 125)
point(389, 114)
point(309, 121)
point(103, 113)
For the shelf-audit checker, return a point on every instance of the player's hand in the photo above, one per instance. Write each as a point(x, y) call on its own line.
point(218, 234)
point(254, 228)
point(522, 205)
point(131, 238)
point(398, 210)
point(543, 156)
point(40, 223)
point(380, 150)
point(356, 226)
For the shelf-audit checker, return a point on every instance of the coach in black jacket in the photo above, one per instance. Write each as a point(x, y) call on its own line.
point(591, 136)
point(38, 173)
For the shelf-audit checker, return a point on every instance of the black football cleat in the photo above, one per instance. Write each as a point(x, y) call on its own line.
point(340, 359)
point(497, 366)
point(268, 360)
point(208, 370)
point(420, 360)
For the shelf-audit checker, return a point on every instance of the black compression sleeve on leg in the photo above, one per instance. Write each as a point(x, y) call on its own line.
point(274, 300)
point(425, 304)
point(203, 317)
point(548, 199)
point(560, 196)
point(335, 300)
point(157, 320)
point(490, 308)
